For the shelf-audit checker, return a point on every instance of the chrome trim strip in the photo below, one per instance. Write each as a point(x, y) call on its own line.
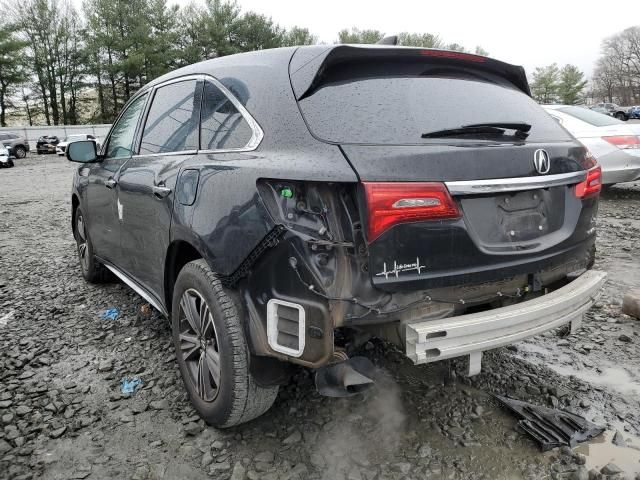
point(166, 154)
point(496, 185)
point(137, 288)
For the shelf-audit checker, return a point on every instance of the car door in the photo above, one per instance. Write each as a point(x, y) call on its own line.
point(102, 207)
point(146, 183)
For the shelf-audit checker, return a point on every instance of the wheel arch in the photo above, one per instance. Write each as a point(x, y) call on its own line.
point(179, 253)
point(75, 203)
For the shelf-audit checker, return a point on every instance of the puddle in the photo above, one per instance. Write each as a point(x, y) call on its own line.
point(614, 378)
point(600, 451)
point(608, 375)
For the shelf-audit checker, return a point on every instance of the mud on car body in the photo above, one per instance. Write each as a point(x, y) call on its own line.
point(282, 206)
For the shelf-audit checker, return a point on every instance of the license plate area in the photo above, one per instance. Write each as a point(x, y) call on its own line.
point(515, 217)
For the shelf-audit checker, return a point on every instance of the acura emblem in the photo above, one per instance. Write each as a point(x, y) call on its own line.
point(541, 161)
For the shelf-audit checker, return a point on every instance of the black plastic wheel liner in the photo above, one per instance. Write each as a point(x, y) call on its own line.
point(550, 427)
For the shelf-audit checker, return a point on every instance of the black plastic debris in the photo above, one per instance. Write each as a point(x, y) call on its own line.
point(550, 427)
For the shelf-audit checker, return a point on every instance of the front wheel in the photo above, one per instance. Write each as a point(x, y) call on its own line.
point(212, 351)
point(92, 270)
point(21, 152)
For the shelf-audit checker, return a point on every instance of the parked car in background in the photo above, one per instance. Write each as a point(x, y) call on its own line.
point(283, 206)
point(6, 161)
point(614, 144)
point(634, 112)
point(47, 144)
point(17, 145)
point(61, 147)
point(611, 109)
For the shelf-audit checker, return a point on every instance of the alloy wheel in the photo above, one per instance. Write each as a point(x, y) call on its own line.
point(21, 152)
point(199, 345)
point(82, 243)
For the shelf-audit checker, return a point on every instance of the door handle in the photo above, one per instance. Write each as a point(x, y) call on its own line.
point(110, 183)
point(160, 191)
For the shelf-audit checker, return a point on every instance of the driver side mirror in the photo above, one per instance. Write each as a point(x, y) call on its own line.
point(83, 151)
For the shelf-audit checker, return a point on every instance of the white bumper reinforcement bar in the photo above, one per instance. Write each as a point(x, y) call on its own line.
point(432, 340)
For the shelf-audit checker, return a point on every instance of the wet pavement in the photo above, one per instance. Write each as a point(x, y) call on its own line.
point(62, 413)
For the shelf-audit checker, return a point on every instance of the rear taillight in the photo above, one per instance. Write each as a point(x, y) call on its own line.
point(592, 185)
point(391, 203)
point(624, 142)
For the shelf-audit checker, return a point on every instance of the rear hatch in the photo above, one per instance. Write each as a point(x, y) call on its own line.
point(463, 177)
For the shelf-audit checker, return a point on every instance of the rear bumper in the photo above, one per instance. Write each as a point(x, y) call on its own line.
point(619, 167)
point(432, 340)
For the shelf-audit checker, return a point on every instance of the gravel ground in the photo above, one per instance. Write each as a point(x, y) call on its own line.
point(62, 414)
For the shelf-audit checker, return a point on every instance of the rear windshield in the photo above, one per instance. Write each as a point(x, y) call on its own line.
point(589, 116)
point(398, 110)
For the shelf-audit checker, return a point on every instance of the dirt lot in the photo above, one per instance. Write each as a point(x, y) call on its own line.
point(62, 414)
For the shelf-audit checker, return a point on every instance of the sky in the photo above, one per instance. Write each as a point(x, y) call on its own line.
point(530, 33)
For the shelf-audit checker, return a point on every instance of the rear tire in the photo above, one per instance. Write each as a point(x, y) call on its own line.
point(92, 270)
point(212, 351)
point(621, 116)
point(20, 152)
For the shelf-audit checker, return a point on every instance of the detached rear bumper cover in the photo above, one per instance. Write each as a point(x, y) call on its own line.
point(433, 340)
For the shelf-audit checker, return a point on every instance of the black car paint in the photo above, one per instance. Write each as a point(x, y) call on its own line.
point(236, 207)
point(46, 144)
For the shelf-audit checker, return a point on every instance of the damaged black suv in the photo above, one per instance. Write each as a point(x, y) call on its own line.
point(282, 206)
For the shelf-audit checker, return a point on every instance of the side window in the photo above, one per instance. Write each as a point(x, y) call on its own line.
point(223, 126)
point(121, 139)
point(172, 123)
point(3, 136)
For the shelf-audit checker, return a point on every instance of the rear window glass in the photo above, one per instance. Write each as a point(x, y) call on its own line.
point(589, 116)
point(223, 126)
point(398, 110)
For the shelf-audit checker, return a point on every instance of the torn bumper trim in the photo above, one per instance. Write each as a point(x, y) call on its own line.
point(432, 340)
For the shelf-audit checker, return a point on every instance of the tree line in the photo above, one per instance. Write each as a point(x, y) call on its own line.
point(616, 77)
point(617, 74)
point(65, 65)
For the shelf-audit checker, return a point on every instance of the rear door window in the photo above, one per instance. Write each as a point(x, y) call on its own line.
point(172, 122)
point(223, 127)
point(397, 110)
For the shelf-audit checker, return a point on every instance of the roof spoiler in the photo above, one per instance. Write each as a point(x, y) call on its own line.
point(309, 65)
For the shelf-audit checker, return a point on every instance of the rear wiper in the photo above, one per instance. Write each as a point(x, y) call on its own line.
point(493, 128)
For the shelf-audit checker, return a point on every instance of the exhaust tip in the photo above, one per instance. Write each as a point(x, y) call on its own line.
point(346, 378)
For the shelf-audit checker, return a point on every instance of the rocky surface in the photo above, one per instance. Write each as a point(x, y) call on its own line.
point(62, 413)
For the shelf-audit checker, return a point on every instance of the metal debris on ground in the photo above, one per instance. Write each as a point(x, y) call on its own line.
point(129, 386)
point(550, 427)
point(110, 314)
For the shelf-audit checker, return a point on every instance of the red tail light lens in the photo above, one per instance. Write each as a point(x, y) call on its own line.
point(592, 185)
point(391, 203)
point(450, 54)
point(624, 141)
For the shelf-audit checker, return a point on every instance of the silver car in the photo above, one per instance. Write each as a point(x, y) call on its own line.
point(613, 143)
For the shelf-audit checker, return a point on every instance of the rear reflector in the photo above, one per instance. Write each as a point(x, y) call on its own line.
point(592, 185)
point(391, 203)
point(624, 141)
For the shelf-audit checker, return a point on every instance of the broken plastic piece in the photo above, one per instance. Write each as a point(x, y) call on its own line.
point(128, 387)
point(110, 314)
point(550, 427)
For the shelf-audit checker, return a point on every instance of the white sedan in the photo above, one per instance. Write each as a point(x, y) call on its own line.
point(613, 143)
point(5, 160)
point(62, 146)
